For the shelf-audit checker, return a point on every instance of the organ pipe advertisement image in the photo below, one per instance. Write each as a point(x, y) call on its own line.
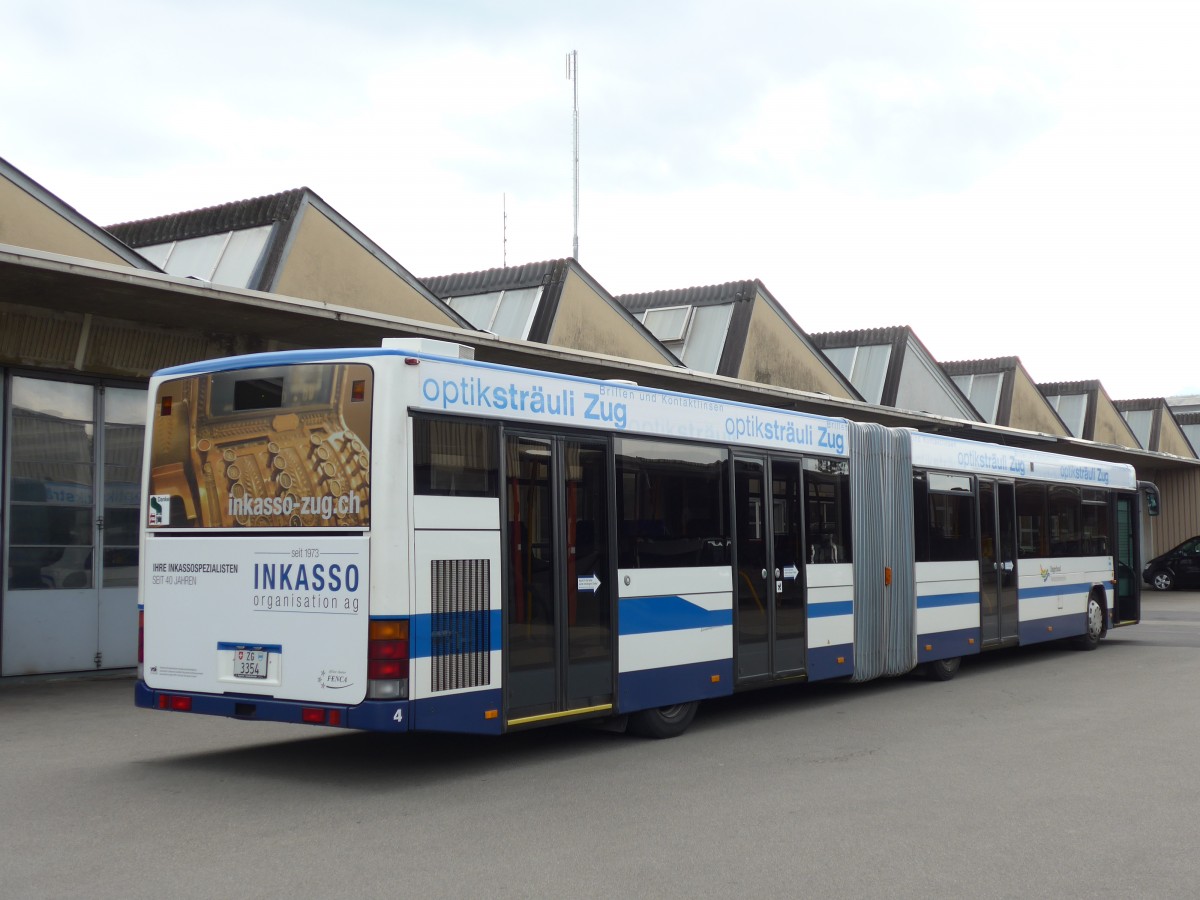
point(273, 447)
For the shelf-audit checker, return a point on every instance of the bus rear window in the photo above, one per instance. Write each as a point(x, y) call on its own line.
point(269, 447)
point(258, 393)
point(278, 387)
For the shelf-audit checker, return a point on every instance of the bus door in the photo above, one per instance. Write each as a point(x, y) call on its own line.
point(1129, 582)
point(559, 637)
point(997, 563)
point(771, 614)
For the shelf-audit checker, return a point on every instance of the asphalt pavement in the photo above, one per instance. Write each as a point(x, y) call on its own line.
point(1043, 772)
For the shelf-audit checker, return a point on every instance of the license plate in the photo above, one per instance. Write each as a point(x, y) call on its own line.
point(250, 663)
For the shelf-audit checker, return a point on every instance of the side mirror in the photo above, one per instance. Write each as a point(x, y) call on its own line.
point(1150, 493)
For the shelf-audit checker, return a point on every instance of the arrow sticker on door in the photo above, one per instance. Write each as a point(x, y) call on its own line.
point(589, 583)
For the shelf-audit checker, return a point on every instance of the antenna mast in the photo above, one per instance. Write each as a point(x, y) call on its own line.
point(504, 231)
point(573, 77)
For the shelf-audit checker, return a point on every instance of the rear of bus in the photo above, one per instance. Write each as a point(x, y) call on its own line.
point(255, 572)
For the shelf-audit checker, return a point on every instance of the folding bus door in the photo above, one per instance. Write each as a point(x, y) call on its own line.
point(771, 614)
point(1128, 607)
point(997, 563)
point(559, 635)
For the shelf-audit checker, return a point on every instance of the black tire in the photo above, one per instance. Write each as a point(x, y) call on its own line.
point(1090, 639)
point(1162, 580)
point(943, 669)
point(663, 722)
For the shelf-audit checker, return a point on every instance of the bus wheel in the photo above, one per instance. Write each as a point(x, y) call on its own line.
point(1090, 639)
point(663, 722)
point(943, 669)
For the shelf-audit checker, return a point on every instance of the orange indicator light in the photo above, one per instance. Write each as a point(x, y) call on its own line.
point(716, 678)
point(358, 391)
point(491, 714)
point(165, 408)
point(388, 629)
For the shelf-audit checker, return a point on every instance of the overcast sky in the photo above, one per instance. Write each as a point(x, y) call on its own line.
point(1009, 178)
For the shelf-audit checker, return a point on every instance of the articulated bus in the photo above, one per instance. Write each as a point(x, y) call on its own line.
point(405, 539)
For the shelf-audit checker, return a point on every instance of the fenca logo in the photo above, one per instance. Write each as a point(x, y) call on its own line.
point(334, 679)
point(305, 577)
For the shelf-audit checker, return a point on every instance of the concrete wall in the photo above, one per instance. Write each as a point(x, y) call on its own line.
point(586, 321)
point(1030, 410)
point(27, 222)
point(324, 263)
point(1171, 438)
point(774, 355)
point(1111, 427)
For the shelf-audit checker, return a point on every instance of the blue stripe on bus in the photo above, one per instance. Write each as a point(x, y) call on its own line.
point(420, 640)
point(276, 358)
point(836, 608)
point(1054, 590)
point(933, 601)
point(648, 615)
point(270, 648)
point(652, 688)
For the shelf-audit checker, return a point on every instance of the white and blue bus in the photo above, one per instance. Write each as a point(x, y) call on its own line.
point(405, 539)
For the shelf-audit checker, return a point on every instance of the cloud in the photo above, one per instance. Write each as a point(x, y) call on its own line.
point(932, 163)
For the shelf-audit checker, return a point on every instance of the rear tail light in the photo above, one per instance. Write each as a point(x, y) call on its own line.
point(174, 702)
point(320, 715)
point(387, 659)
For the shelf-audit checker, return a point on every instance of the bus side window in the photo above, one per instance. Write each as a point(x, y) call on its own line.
point(455, 458)
point(673, 504)
point(827, 511)
point(944, 517)
point(1031, 520)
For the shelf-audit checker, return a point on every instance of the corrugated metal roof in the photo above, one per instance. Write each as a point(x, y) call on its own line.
point(863, 337)
point(707, 295)
point(1140, 404)
point(508, 278)
point(235, 216)
point(982, 366)
point(1060, 388)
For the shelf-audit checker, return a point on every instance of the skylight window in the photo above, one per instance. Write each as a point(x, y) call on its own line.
point(668, 324)
point(866, 367)
point(229, 258)
point(695, 334)
point(507, 314)
point(983, 391)
point(1071, 408)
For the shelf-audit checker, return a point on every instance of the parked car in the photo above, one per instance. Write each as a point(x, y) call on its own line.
point(1177, 568)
